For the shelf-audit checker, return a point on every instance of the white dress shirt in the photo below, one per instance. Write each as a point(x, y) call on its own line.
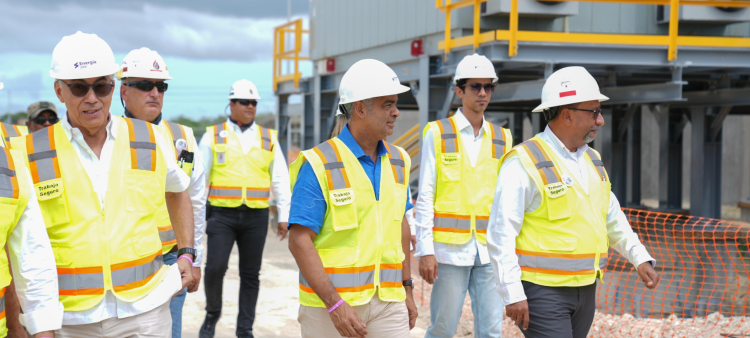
point(279, 171)
point(517, 194)
point(197, 191)
point(453, 254)
point(97, 169)
point(34, 270)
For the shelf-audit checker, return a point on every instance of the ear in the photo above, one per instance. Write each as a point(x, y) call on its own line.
point(459, 92)
point(359, 109)
point(123, 95)
point(27, 123)
point(567, 117)
point(58, 92)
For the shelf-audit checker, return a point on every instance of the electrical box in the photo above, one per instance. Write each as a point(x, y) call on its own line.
point(705, 14)
point(531, 8)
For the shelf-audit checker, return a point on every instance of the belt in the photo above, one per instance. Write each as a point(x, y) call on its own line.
point(174, 249)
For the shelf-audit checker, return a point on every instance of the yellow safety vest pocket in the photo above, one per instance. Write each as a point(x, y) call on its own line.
point(450, 167)
point(51, 196)
point(140, 195)
point(555, 242)
point(63, 255)
point(332, 258)
point(220, 153)
point(146, 245)
point(557, 201)
point(343, 209)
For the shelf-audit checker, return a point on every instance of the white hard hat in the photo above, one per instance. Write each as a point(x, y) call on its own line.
point(367, 79)
point(144, 63)
point(569, 85)
point(244, 89)
point(475, 67)
point(82, 56)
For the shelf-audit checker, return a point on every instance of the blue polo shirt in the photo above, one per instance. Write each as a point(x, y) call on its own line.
point(308, 204)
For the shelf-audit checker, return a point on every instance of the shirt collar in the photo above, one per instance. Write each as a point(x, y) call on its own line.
point(462, 122)
point(559, 146)
point(348, 139)
point(71, 132)
point(237, 129)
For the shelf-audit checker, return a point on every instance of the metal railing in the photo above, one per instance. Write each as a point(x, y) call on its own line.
point(513, 35)
point(281, 54)
point(410, 142)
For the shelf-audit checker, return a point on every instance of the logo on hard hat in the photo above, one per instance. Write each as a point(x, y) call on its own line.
point(565, 83)
point(83, 64)
point(395, 79)
point(250, 90)
point(156, 67)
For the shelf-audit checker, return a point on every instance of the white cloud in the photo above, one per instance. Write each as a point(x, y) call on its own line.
point(170, 31)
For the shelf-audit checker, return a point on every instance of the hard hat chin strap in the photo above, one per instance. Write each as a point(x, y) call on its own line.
point(550, 113)
point(346, 109)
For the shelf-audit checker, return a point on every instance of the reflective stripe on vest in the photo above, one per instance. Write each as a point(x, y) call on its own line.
point(265, 138)
point(220, 155)
point(142, 145)
point(2, 303)
point(597, 162)
point(452, 223)
point(43, 156)
point(559, 263)
point(329, 154)
point(177, 133)
point(397, 163)
point(130, 275)
point(167, 236)
point(81, 281)
point(230, 193)
point(543, 162)
point(391, 275)
point(9, 131)
point(481, 223)
point(498, 141)
point(8, 179)
point(354, 279)
point(448, 135)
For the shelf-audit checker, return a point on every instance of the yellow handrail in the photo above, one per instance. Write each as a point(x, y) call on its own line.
point(400, 140)
point(513, 35)
point(280, 53)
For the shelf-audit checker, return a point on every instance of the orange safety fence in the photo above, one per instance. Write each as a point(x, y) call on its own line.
point(704, 291)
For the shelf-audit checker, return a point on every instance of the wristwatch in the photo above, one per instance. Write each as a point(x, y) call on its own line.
point(409, 283)
point(189, 251)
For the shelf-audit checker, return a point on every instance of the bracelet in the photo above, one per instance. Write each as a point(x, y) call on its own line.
point(333, 308)
point(188, 258)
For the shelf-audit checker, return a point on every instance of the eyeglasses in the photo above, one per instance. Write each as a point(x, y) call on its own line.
point(82, 89)
point(247, 102)
point(476, 87)
point(148, 86)
point(596, 112)
point(43, 120)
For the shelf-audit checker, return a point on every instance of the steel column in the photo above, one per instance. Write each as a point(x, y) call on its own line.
point(705, 172)
point(423, 95)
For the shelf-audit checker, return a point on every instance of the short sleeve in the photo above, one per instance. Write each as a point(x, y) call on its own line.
point(308, 207)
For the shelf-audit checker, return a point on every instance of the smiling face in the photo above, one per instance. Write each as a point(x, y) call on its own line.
point(144, 105)
point(89, 112)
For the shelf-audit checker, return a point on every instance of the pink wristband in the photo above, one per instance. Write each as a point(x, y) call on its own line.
point(188, 258)
point(333, 308)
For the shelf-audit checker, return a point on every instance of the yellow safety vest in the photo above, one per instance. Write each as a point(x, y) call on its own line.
point(463, 194)
point(116, 248)
point(563, 242)
point(238, 178)
point(360, 241)
point(175, 132)
point(14, 195)
point(10, 130)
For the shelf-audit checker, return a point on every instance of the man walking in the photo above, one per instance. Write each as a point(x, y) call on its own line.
point(460, 162)
point(100, 180)
point(244, 164)
point(41, 114)
point(143, 73)
point(348, 233)
point(554, 216)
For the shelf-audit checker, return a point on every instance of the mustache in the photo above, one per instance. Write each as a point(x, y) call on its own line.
point(594, 128)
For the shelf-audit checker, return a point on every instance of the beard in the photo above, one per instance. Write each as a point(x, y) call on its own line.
point(588, 139)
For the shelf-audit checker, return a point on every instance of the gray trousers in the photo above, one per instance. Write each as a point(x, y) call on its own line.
point(559, 312)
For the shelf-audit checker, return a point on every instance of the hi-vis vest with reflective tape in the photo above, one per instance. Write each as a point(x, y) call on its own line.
point(9, 130)
point(360, 241)
point(175, 132)
point(563, 242)
point(116, 248)
point(14, 195)
point(238, 178)
point(463, 194)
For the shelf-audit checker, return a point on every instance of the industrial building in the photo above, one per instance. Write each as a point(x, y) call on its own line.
point(676, 72)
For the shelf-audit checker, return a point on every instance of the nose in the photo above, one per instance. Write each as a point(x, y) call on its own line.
point(90, 96)
point(154, 91)
point(396, 112)
point(599, 119)
point(47, 123)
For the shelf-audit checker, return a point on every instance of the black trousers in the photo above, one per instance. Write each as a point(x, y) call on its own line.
point(249, 228)
point(559, 312)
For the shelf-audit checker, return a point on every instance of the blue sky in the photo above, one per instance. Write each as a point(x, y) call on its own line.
point(206, 48)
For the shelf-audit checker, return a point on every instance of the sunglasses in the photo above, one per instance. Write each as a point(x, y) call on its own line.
point(81, 89)
point(43, 120)
point(247, 102)
point(148, 86)
point(476, 87)
point(596, 112)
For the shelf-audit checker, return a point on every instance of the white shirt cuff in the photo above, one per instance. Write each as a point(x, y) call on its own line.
point(512, 293)
point(283, 215)
point(424, 248)
point(641, 255)
point(43, 319)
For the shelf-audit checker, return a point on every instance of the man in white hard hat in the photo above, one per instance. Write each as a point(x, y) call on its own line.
point(100, 180)
point(460, 163)
point(348, 233)
point(245, 164)
point(41, 114)
point(28, 280)
point(554, 214)
point(143, 73)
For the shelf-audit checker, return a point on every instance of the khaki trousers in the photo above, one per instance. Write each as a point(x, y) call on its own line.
point(383, 320)
point(156, 323)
